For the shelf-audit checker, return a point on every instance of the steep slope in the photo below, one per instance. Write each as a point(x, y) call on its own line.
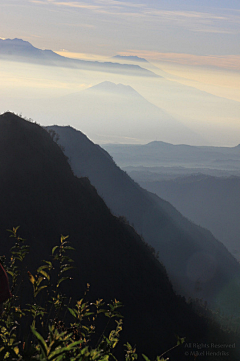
point(212, 202)
point(198, 265)
point(39, 192)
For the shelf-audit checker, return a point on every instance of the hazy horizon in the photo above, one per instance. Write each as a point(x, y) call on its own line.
point(192, 47)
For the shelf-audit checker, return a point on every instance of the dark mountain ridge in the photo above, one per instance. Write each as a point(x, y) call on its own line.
point(39, 192)
point(198, 265)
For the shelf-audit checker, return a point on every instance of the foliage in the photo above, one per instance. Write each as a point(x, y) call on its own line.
point(51, 326)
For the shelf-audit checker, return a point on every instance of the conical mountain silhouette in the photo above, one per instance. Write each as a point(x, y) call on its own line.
point(116, 111)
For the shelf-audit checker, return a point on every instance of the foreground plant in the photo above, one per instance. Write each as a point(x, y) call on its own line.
point(52, 326)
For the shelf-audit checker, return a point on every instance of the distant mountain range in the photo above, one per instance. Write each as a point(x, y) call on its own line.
point(20, 50)
point(130, 58)
point(198, 265)
point(39, 192)
point(202, 112)
point(161, 154)
point(201, 182)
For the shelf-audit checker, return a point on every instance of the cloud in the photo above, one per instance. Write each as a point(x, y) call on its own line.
point(38, 2)
point(82, 56)
point(96, 5)
point(218, 21)
point(70, 4)
point(178, 15)
point(120, 3)
point(197, 21)
point(192, 20)
point(74, 4)
point(79, 25)
point(216, 31)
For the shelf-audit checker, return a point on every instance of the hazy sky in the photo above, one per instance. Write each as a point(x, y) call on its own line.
point(196, 42)
point(107, 27)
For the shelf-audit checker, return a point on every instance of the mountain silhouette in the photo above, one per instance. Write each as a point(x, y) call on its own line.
point(198, 265)
point(39, 192)
point(113, 111)
point(130, 58)
point(113, 89)
point(20, 50)
point(18, 47)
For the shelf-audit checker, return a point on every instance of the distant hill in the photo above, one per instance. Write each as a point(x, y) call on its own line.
point(14, 48)
point(20, 50)
point(39, 192)
point(212, 202)
point(130, 58)
point(198, 265)
point(157, 154)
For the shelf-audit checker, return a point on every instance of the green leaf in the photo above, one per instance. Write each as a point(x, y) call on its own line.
point(45, 266)
point(88, 314)
point(180, 340)
point(72, 312)
point(45, 274)
point(63, 238)
point(69, 248)
point(48, 262)
point(54, 249)
point(63, 350)
point(41, 341)
point(31, 278)
point(145, 357)
point(39, 289)
point(10, 273)
point(65, 269)
point(63, 279)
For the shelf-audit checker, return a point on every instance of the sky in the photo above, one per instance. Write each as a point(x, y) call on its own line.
point(197, 44)
point(105, 27)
